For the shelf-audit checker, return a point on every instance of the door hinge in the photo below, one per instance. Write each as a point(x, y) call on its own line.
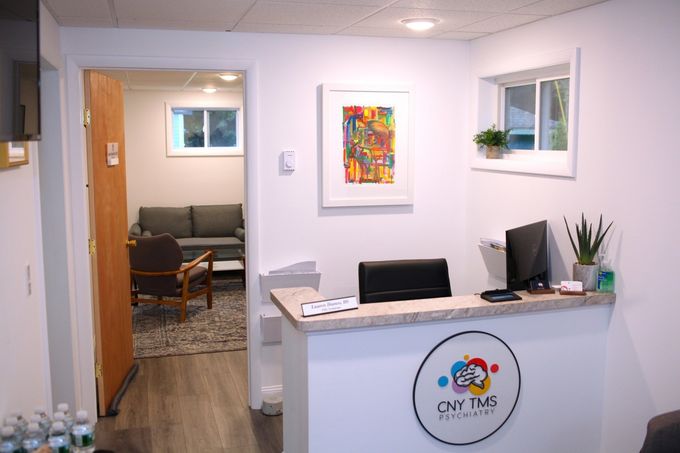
point(98, 372)
point(92, 246)
point(87, 117)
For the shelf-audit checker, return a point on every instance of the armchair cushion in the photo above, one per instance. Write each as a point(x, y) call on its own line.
point(175, 221)
point(216, 220)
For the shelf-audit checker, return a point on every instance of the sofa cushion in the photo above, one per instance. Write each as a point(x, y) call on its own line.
point(210, 243)
point(176, 221)
point(216, 220)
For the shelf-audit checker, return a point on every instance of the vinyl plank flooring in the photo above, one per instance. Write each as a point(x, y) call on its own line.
point(195, 403)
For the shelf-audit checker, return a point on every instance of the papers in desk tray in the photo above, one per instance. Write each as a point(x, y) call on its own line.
point(295, 275)
point(493, 254)
point(493, 243)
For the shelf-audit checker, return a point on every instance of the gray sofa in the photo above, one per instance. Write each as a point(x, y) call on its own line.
point(195, 227)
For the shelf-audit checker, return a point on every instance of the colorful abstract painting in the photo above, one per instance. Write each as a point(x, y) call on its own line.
point(368, 142)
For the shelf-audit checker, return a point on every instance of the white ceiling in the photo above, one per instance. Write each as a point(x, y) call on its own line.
point(459, 19)
point(140, 80)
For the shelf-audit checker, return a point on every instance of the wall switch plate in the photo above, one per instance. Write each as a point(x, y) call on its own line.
point(288, 160)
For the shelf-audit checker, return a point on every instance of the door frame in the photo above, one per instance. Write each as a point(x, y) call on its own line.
point(76, 166)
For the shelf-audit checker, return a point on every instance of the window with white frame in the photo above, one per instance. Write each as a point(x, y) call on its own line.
point(536, 113)
point(203, 131)
point(535, 98)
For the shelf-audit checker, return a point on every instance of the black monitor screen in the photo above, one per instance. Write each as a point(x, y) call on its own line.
point(19, 71)
point(527, 256)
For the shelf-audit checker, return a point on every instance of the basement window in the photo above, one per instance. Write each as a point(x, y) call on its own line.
point(203, 131)
point(537, 102)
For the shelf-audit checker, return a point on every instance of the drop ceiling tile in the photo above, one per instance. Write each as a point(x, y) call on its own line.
point(199, 11)
point(66, 21)
point(164, 24)
point(501, 22)
point(553, 7)
point(394, 32)
point(461, 35)
point(95, 9)
point(498, 6)
point(342, 2)
point(449, 20)
point(287, 28)
point(316, 14)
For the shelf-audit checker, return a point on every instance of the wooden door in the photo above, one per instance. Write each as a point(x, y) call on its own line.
point(108, 229)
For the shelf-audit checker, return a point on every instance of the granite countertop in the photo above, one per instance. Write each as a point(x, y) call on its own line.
point(288, 300)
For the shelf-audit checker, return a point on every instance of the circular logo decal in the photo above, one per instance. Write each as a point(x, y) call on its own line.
point(466, 388)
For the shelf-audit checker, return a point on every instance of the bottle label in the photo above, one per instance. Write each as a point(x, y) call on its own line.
point(61, 449)
point(82, 440)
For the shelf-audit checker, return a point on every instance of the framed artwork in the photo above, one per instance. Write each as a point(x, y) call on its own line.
point(13, 154)
point(367, 145)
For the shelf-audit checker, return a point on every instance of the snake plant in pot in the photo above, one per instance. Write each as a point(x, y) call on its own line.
point(585, 269)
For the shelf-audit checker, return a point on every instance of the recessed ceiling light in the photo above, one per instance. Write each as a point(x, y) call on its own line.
point(228, 77)
point(420, 23)
point(209, 90)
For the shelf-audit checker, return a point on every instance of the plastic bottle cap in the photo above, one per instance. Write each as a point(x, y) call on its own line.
point(58, 426)
point(81, 415)
point(7, 431)
point(35, 418)
point(39, 410)
point(60, 416)
point(11, 421)
point(15, 414)
point(62, 407)
point(33, 427)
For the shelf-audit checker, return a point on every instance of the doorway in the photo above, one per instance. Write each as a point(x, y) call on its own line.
point(183, 163)
point(76, 165)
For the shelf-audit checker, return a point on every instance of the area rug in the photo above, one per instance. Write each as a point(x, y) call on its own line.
point(157, 331)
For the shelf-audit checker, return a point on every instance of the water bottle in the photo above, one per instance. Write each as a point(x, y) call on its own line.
point(45, 422)
point(8, 444)
point(58, 440)
point(35, 418)
point(34, 438)
point(22, 423)
point(13, 423)
point(82, 434)
point(68, 418)
point(60, 417)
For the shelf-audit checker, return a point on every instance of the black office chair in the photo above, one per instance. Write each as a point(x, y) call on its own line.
point(383, 281)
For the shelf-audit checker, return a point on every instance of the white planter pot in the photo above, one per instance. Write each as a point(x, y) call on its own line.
point(587, 274)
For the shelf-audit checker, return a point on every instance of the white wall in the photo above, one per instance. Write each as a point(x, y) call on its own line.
point(287, 71)
point(627, 170)
point(24, 380)
point(175, 181)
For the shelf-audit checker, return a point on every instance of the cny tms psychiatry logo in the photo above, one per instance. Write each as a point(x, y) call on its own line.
point(471, 375)
point(464, 401)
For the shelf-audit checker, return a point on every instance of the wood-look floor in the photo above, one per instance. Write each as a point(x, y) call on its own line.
point(192, 403)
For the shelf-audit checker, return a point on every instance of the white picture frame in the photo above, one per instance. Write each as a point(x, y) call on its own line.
point(382, 174)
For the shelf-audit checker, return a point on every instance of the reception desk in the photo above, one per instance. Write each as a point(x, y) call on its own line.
point(348, 377)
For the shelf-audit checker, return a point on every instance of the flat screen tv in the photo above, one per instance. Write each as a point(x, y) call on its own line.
point(526, 254)
point(19, 71)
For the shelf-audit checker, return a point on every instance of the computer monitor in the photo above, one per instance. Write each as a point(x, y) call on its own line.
point(526, 255)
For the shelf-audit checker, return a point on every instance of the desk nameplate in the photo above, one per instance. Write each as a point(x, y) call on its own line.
point(322, 307)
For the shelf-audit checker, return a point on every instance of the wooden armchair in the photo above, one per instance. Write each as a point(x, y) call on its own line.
point(156, 270)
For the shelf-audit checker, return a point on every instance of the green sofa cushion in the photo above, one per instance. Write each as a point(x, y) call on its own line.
point(176, 221)
point(216, 220)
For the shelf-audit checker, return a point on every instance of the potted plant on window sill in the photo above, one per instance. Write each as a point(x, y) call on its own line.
point(493, 140)
point(585, 270)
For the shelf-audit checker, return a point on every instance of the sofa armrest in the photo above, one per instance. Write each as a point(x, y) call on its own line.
point(240, 233)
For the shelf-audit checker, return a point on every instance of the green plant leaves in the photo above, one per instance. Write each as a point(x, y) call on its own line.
point(587, 245)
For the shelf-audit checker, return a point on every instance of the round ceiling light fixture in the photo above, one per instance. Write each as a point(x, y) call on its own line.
point(420, 23)
point(209, 90)
point(227, 77)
